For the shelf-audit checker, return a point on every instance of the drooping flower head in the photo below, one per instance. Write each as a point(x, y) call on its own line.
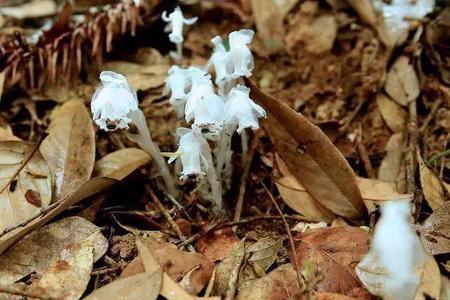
point(241, 56)
point(177, 84)
point(241, 111)
point(113, 101)
point(190, 152)
point(176, 21)
point(205, 108)
point(220, 59)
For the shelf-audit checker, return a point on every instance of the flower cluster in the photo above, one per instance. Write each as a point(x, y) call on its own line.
point(215, 117)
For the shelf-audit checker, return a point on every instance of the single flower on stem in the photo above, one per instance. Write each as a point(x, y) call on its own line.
point(114, 106)
point(241, 56)
point(177, 84)
point(223, 66)
point(176, 22)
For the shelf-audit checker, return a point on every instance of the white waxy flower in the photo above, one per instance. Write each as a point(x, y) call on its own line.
point(177, 83)
point(220, 59)
point(389, 268)
point(191, 154)
point(113, 101)
point(176, 21)
point(241, 56)
point(241, 111)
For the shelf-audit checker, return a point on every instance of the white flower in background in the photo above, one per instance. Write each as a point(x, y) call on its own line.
point(241, 111)
point(198, 77)
point(206, 109)
point(113, 101)
point(240, 55)
point(191, 155)
point(396, 15)
point(177, 84)
point(389, 268)
point(176, 21)
point(220, 59)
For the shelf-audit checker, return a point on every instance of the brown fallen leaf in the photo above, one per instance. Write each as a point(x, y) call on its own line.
point(61, 254)
point(390, 165)
point(295, 196)
point(177, 263)
point(31, 9)
point(6, 134)
point(402, 83)
point(120, 163)
point(431, 185)
point(89, 188)
point(311, 157)
point(280, 283)
point(69, 149)
point(435, 231)
point(217, 244)
point(334, 252)
point(227, 271)
point(393, 114)
point(25, 183)
point(365, 10)
point(139, 286)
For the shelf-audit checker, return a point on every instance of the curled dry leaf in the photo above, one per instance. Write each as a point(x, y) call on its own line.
point(89, 188)
point(31, 9)
point(280, 283)
point(295, 196)
point(402, 83)
point(393, 114)
point(227, 271)
point(311, 157)
point(390, 165)
point(431, 185)
point(69, 149)
point(61, 254)
point(26, 193)
point(263, 253)
point(120, 163)
point(333, 253)
point(435, 231)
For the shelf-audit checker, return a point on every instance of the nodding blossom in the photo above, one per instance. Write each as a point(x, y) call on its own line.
point(176, 21)
point(205, 108)
point(113, 101)
point(242, 111)
point(190, 152)
point(240, 55)
point(177, 84)
point(220, 59)
point(389, 268)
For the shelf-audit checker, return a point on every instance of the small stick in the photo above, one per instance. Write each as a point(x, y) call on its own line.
point(288, 231)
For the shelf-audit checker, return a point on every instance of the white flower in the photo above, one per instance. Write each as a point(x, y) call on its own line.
point(220, 59)
point(177, 83)
point(113, 101)
point(206, 108)
point(241, 56)
point(395, 14)
point(191, 154)
point(241, 111)
point(389, 268)
point(176, 21)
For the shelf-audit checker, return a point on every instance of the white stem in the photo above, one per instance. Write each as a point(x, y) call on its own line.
point(244, 142)
point(214, 183)
point(144, 140)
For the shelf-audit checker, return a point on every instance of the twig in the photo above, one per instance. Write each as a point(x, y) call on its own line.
point(288, 231)
point(365, 156)
point(438, 156)
point(242, 187)
point(430, 115)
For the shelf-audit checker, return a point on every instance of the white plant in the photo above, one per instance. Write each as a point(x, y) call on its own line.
point(114, 106)
point(389, 268)
point(176, 21)
point(223, 67)
point(240, 55)
point(177, 84)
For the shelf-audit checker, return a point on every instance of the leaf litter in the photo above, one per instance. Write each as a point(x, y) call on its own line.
point(357, 118)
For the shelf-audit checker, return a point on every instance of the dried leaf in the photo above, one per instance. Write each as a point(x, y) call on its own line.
point(280, 283)
point(26, 194)
point(390, 165)
point(227, 271)
point(435, 231)
point(32, 9)
point(295, 196)
point(402, 83)
point(393, 114)
point(312, 158)
point(140, 286)
point(91, 187)
point(120, 163)
point(217, 244)
point(69, 149)
point(61, 254)
point(431, 185)
point(365, 10)
point(430, 283)
point(334, 252)
point(6, 134)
